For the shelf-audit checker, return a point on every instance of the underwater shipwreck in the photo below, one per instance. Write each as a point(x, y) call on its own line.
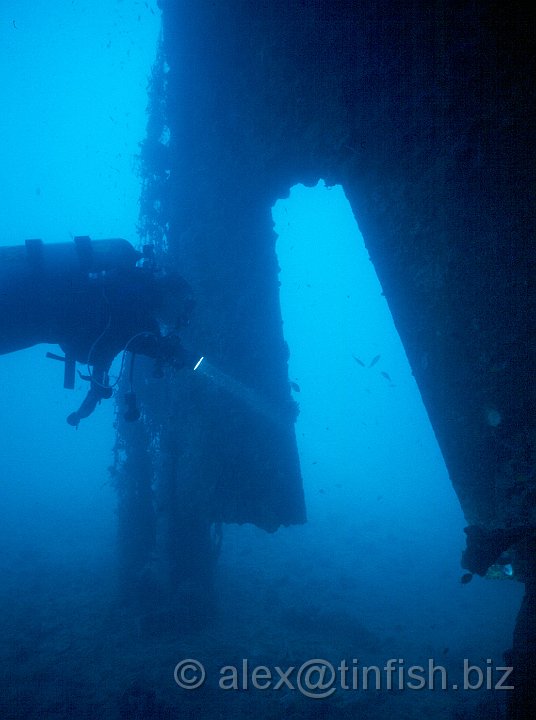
point(430, 135)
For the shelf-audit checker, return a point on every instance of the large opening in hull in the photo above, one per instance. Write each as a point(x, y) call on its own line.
point(362, 421)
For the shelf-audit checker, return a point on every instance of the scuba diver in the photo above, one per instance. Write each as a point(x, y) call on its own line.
point(93, 298)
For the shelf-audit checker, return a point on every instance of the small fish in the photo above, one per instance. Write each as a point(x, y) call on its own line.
point(386, 376)
point(374, 360)
point(358, 361)
point(466, 578)
point(294, 386)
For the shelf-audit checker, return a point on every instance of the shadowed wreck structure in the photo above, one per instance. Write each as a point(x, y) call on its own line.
point(424, 113)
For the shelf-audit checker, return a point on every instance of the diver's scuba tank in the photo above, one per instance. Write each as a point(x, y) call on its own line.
point(41, 285)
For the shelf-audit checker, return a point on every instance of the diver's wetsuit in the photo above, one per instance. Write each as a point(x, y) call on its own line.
point(91, 297)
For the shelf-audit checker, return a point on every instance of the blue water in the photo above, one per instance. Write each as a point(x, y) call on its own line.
point(373, 575)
